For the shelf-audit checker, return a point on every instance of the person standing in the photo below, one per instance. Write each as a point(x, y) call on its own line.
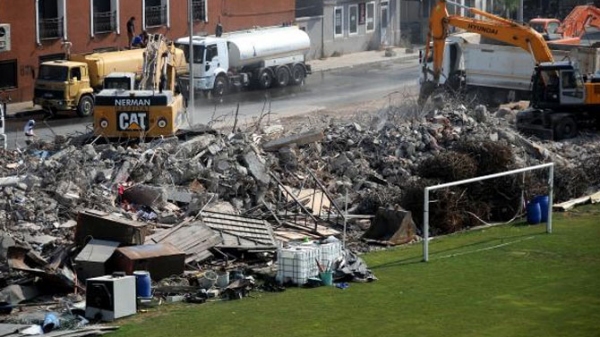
point(131, 31)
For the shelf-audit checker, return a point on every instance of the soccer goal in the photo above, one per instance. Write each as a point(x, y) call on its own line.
point(549, 166)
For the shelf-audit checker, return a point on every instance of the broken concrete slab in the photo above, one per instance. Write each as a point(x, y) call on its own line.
point(6, 241)
point(298, 139)
point(15, 294)
point(179, 194)
point(43, 239)
point(195, 145)
point(257, 168)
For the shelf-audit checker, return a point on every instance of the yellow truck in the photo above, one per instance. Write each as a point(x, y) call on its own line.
point(65, 85)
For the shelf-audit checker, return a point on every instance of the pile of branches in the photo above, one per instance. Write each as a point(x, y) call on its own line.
point(465, 206)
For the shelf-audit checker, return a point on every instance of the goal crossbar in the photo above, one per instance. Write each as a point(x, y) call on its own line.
point(549, 166)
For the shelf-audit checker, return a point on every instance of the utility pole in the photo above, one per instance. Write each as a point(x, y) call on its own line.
point(520, 15)
point(190, 107)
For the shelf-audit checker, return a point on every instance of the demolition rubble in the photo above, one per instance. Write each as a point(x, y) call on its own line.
point(216, 215)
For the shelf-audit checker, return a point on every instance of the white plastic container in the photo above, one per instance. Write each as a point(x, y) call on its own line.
point(297, 264)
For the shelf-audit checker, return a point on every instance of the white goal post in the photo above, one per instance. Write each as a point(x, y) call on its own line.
point(550, 167)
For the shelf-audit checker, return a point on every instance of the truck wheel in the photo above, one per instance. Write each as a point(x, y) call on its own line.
point(283, 76)
point(565, 128)
point(85, 107)
point(298, 74)
point(265, 78)
point(220, 87)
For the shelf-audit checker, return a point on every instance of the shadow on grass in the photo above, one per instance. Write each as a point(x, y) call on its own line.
point(419, 258)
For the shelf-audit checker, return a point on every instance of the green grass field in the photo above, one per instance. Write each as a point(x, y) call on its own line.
point(503, 281)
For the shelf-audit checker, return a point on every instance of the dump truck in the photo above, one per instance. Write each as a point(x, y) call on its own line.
point(260, 57)
point(495, 74)
point(562, 98)
point(70, 84)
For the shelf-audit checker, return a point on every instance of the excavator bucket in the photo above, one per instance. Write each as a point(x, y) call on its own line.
point(427, 89)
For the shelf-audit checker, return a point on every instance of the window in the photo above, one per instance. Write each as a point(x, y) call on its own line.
point(200, 13)
point(51, 20)
point(211, 52)
point(76, 73)
point(156, 13)
point(8, 69)
point(53, 73)
point(384, 15)
point(552, 27)
point(198, 52)
point(353, 19)
point(370, 16)
point(104, 16)
point(338, 19)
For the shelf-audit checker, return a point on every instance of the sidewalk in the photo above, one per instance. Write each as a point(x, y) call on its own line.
point(330, 63)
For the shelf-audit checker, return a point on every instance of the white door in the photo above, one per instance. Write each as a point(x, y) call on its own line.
point(384, 23)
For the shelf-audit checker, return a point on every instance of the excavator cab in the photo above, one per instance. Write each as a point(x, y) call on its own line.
point(557, 84)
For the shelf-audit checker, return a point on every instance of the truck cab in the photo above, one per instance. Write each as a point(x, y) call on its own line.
point(61, 85)
point(121, 81)
point(547, 27)
point(211, 59)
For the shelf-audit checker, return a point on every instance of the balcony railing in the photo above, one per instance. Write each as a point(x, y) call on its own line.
point(199, 10)
point(51, 28)
point(105, 22)
point(156, 16)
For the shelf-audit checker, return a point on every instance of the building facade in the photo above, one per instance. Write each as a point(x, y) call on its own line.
point(39, 30)
point(349, 26)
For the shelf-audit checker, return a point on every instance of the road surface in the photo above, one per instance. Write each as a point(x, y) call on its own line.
point(323, 90)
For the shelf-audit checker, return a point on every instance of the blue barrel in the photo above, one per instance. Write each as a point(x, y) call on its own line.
point(543, 201)
point(143, 284)
point(534, 213)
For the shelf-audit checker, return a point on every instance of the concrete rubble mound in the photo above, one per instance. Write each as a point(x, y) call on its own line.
point(222, 202)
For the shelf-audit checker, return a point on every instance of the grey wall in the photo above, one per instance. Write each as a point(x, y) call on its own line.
point(363, 40)
point(313, 26)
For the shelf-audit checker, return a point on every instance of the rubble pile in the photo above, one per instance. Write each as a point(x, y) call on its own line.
point(281, 181)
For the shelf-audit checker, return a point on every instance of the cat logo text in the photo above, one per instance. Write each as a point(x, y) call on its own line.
point(132, 121)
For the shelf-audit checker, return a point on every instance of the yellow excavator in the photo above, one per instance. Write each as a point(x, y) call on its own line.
point(154, 109)
point(561, 98)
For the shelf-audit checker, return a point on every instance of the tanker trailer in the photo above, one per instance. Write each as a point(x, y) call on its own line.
point(258, 58)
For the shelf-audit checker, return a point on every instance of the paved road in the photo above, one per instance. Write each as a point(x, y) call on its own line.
point(322, 90)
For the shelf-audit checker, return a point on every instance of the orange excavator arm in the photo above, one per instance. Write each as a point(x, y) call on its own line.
point(493, 27)
point(579, 18)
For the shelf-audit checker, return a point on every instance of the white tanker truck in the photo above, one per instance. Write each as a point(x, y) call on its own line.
point(260, 57)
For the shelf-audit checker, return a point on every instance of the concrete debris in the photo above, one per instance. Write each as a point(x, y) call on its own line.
point(266, 184)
